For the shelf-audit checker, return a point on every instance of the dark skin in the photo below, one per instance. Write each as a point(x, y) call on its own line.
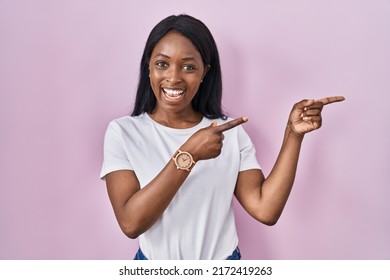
point(176, 71)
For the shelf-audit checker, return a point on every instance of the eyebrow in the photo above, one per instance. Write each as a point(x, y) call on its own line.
point(184, 58)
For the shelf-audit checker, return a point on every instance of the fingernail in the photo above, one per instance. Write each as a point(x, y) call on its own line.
point(245, 119)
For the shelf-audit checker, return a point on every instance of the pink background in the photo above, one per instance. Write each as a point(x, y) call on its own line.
point(69, 67)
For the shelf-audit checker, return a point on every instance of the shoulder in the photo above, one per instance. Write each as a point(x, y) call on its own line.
point(126, 127)
point(127, 122)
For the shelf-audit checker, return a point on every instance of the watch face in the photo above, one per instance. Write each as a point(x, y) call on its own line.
point(184, 160)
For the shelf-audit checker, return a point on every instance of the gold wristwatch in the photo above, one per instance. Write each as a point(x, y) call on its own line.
point(183, 160)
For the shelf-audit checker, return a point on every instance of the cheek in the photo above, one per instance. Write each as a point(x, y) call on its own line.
point(195, 84)
point(154, 81)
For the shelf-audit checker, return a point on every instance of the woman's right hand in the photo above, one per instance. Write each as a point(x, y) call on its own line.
point(206, 143)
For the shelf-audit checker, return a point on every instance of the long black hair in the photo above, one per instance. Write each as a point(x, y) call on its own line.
point(207, 101)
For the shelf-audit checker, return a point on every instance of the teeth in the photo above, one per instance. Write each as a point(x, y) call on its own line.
point(173, 93)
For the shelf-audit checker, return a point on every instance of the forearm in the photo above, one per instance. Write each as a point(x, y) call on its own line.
point(277, 186)
point(144, 208)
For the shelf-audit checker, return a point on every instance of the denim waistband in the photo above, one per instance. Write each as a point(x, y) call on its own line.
point(236, 255)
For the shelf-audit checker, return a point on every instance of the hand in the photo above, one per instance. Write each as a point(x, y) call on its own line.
point(306, 115)
point(206, 143)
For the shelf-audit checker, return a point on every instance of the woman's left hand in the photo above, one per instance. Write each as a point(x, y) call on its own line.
point(306, 114)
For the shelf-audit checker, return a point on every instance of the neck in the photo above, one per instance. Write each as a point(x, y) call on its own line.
point(179, 120)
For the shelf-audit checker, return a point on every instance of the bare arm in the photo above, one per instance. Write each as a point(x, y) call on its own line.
point(138, 209)
point(264, 199)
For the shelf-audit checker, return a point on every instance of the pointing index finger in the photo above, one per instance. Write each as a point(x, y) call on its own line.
point(332, 99)
point(230, 124)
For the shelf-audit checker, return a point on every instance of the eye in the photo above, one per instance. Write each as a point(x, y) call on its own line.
point(161, 64)
point(188, 67)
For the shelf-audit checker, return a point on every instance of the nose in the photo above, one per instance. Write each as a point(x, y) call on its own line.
point(173, 75)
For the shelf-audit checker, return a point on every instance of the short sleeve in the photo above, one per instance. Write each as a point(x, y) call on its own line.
point(115, 157)
point(248, 158)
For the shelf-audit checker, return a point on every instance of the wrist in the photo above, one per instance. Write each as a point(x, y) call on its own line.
point(290, 129)
point(183, 160)
point(191, 150)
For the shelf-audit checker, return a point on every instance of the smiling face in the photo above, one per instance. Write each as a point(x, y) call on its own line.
point(176, 71)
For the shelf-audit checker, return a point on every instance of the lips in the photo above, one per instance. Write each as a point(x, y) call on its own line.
point(172, 94)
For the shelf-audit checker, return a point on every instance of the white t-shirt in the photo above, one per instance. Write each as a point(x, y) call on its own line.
point(199, 222)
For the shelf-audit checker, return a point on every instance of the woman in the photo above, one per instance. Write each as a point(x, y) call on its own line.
point(173, 167)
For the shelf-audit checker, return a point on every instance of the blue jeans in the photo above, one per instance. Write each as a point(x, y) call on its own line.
point(236, 255)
